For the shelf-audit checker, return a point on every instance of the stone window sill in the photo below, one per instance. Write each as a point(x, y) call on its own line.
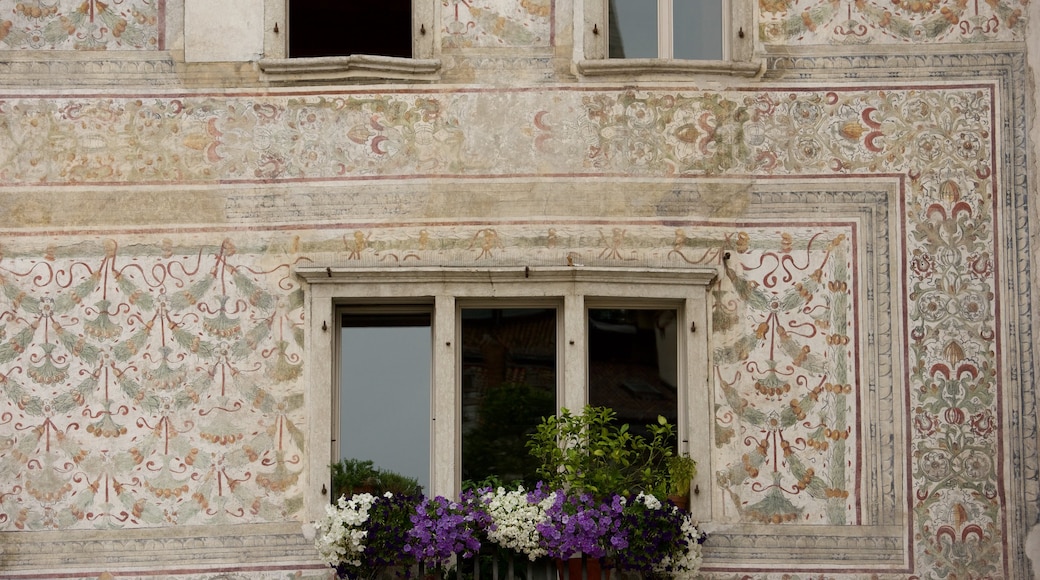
point(656, 67)
point(355, 66)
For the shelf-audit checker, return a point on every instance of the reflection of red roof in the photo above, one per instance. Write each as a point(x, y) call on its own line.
point(531, 335)
point(634, 391)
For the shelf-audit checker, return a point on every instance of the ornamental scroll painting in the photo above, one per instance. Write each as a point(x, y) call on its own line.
point(785, 376)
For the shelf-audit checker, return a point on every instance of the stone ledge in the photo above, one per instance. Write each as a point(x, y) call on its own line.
point(197, 547)
point(653, 67)
point(363, 66)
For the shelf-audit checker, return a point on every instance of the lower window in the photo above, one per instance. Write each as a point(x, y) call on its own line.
point(384, 392)
point(442, 375)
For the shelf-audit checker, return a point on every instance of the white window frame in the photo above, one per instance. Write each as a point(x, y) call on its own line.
point(425, 64)
point(737, 45)
point(449, 290)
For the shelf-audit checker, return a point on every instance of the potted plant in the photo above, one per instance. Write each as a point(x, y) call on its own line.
point(364, 534)
point(593, 463)
point(592, 453)
point(661, 540)
point(681, 471)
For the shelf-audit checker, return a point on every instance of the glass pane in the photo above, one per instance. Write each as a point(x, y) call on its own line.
point(633, 364)
point(385, 392)
point(697, 29)
point(633, 28)
point(508, 385)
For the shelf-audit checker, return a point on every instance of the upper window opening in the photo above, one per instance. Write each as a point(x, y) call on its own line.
point(668, 29)
point(342, 28)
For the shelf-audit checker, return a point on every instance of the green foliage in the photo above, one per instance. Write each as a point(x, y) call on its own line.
point(350, 476)
point(681, 471)
point(592, 453)
point(495, 448)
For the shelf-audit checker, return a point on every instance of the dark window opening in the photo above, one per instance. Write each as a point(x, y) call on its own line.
point(508, 386)
point(634, 363)
point(345, 27)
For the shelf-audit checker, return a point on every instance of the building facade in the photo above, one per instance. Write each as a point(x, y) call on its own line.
point(836, 207)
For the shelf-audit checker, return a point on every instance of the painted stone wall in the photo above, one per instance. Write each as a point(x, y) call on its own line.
point(74, 25)
point(872, 341)
point(859, 22)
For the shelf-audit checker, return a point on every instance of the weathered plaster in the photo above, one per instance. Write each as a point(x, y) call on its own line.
point(872, 202)
point(230, 30)
point(1032, 110)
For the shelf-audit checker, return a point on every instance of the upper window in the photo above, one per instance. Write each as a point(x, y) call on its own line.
point(325, 40)
point(667, 37)
point(338, 28)
point(671, 29)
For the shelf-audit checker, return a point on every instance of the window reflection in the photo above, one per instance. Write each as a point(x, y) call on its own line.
point(384, 399)
point(508, 385)
point(633, 363)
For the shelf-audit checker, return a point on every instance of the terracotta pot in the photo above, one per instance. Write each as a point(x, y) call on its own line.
point(571, 569)
point(681, 501)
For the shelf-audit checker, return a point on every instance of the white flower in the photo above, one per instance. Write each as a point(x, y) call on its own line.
point(514, 520)
point(339, 534)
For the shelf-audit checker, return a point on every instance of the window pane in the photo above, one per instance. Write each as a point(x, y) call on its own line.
point(508, 385)
point(633, 363)
point(345, 27)
point(633, 28)
point(697, 29)
point(385, 365)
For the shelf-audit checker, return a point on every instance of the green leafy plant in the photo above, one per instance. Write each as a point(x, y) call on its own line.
point(350, 476)
point(681, 471)
point(592, 453)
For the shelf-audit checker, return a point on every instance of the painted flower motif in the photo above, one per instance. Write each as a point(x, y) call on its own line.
point(930, 146)
point(807, 149)
point(933, 306)
point(925, 423)
point(974, 307)
point(922, 264)
point(935, 465)
point(969, 146)
point(774, 5)
point(916, 6)
point(983, 424)
point(804, 114)
point(640, 114)
point(976, 465)
point(980, 266)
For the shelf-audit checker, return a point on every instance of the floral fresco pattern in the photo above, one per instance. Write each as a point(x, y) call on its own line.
point(82, 25)
point(835, 22)
point(158, 388)
point(158, 382)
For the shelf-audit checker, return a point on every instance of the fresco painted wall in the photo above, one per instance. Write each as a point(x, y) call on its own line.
point(74, 25)
point(872, 340)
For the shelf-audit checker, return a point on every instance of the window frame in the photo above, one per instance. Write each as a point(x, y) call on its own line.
point(448, 290)
point(424, 65)
point(737, 46)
